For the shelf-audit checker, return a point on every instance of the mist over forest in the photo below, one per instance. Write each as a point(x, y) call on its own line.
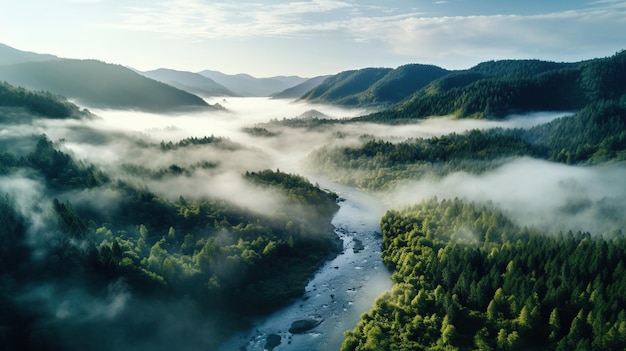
point(129, 229)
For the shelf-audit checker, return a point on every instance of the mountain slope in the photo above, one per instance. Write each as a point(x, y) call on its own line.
point(98, 84)
point(374, 86)
point(9, 55)
point(495, 89)
point(188, 81)
point(344, 88)
point(300, 89)
point(42, 104)
point(518, 68)
point(402, 82)
point(247, 85)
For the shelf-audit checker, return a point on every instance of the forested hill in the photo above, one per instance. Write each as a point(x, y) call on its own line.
point(467, 278)
point(374, 86)
point(490, 89)
point(496, 89)
point(195, 256)
point(594, 135)
point(43, 104)
point(344, 88)
point(297, 91)
point(98, 84)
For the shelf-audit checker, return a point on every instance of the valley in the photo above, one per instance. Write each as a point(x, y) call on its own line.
point(461, 210)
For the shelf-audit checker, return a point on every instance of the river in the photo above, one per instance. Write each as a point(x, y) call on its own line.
point(343, 289)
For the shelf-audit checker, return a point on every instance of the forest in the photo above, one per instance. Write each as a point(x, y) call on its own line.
point(78, 227)
point(496, 89)
point(466, 277)
point(140, 232)
point(594, 135)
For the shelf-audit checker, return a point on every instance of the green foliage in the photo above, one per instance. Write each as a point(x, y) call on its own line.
point(60, 170)
point(594, 135)
point(512, 69)
point(206, 247)
point(496, 89)
point(229, 260)
point(41, 103)
point(381, 164)
point(597, 133)
point(457, 286)
point(374, 86)
point(223, 143)
point(345, 87)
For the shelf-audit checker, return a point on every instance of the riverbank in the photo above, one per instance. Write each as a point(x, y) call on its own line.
point(343, 289)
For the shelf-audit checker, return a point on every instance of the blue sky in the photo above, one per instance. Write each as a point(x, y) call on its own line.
point(313, 37)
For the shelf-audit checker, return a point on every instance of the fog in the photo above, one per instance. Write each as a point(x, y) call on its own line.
point(550, 196)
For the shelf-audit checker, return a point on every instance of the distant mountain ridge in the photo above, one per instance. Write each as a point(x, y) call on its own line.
point(297, 91)
point(249, 86)
point(490, 89)
point(188, 81)
point(9, 55)
point(344, 88)
point(93, 83)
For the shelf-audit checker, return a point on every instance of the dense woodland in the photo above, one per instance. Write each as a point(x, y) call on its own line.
point(40, 103)
point(230, 261)
point(467, 278)
point(491, 89)
point(596, 134)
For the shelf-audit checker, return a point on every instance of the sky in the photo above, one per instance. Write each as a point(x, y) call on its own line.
point(313, 37)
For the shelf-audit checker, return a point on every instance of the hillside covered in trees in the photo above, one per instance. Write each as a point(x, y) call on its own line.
point(98, 84)
point(490, 89)
point(468, 278)
point(594, 135)
point(78, 243)
point(115, 252)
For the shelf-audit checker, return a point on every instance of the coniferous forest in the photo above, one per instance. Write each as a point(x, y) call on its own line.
point(112, 239)
point(467, 277)
point(84, 225)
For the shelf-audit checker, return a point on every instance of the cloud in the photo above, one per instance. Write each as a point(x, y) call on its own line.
point(452, 41)
point(457, 38)
point(212, 20)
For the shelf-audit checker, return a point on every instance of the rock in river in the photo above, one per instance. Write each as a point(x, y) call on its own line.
point(302, 325)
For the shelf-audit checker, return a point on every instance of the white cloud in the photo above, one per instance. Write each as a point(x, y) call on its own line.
point(449, 39)
point(212, 20)
point(446, 40)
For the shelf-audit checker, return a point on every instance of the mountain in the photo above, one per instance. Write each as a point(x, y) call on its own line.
point(497, 88)
point(515, 69)
point(300, 89)
point(401, 82)
point(247, 85)
point(9, 55)
point(192, 82)
point(374, 86)
point(344, 88)
point(98, 84)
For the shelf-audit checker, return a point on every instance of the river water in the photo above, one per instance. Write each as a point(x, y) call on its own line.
point(343, 289)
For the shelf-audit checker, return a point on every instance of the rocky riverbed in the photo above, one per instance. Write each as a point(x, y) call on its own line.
point(343, 289)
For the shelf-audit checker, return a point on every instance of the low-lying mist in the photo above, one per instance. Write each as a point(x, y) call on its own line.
point(550, 196)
